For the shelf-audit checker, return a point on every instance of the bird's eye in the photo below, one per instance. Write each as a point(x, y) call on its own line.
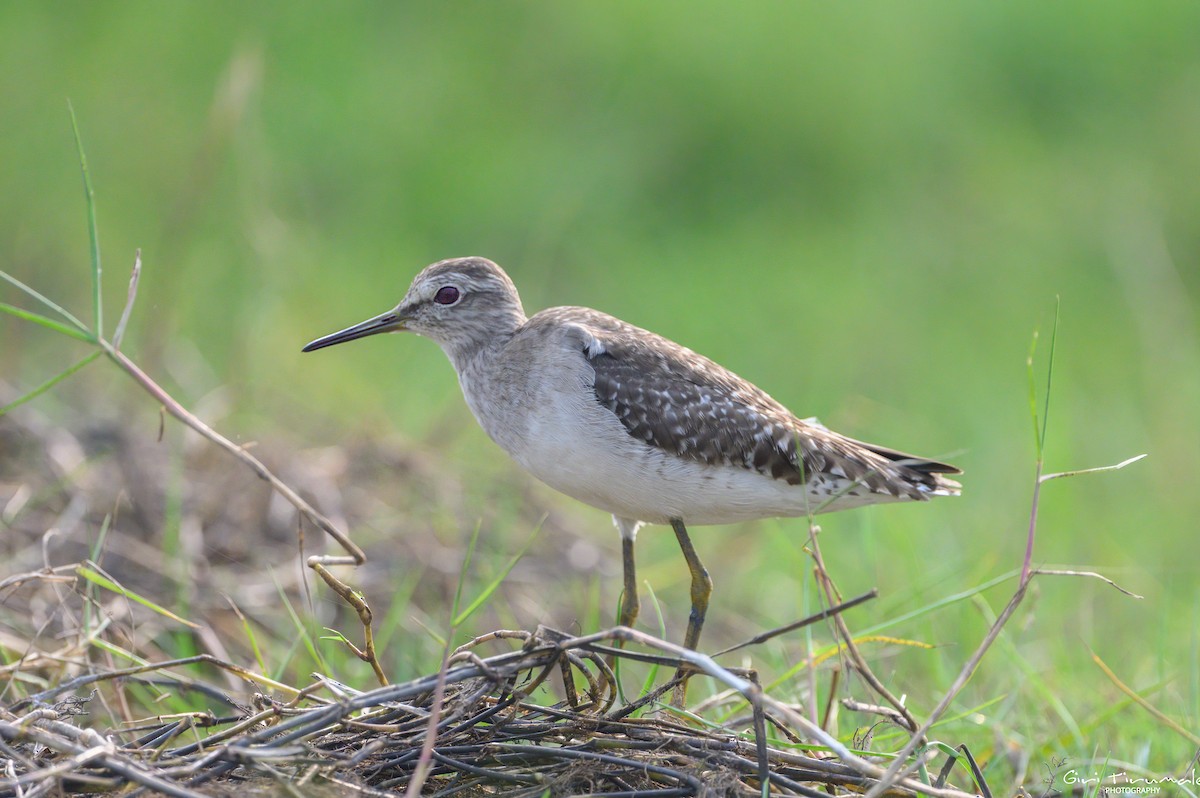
point(447, 295)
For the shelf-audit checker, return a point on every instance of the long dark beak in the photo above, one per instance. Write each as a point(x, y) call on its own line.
point(385, 322)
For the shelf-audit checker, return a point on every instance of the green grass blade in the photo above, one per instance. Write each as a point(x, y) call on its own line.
point(1194, 670)
point(250, 636)
point(92, 605)
point(50, 383)
point(495, 583)
point(59, 309)
point(652, 675)
point(401, 598)
point(434, 635)
point(112, 648)
point(303, 638)
point(1031, 380)
point(954, 598)
point(101, 539)
point(1162, 717)
point(90, 197)
point(895, 733)
point(96, 578)
point(462, 575)
point(1049, 374)
point(1095, 725)
point(45, 321)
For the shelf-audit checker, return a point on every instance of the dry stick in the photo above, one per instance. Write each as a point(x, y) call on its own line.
point(1090, 574)
point(760, 747)
point(76, 762)
point(58, 573)
point(356, 556)
point(834, 679)
point(1190, 767)
point(860, 662)
point(425, 758)
point(92, 678)
point(357, 601)
point(1027, 563)
point(847, 757)
point(113, 350)
point(88, 743)
point(887, 713)
point(811, 619)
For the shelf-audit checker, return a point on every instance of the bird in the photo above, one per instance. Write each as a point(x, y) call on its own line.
point(634, 424)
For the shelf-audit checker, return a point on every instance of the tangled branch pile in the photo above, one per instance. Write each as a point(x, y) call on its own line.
point(490, 736)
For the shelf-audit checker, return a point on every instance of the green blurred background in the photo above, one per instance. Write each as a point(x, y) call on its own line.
point(867, 209)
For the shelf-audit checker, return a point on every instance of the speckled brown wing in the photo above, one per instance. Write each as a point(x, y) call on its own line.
point(679, 401)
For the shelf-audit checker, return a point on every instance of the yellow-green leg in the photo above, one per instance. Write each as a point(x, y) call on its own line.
point(628, 612)
point(701, 590)
point(629, 598)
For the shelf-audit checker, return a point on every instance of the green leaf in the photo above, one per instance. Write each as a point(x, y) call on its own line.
point(335, 635)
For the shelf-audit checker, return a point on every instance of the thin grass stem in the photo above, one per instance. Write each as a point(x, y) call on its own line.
point(93, 234)
point(1158, 714)
point(57, 308)
point(50, 383)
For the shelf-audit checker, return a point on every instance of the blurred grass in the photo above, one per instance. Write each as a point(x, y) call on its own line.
point(864, 209)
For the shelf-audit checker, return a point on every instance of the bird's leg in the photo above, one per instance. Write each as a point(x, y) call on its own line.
point(701, 590)
point(701, 585)
point(629, 597)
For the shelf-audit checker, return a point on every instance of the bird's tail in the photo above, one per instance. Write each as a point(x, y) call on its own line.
point(929, 475)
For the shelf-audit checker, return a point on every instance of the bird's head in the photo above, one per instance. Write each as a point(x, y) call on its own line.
point(461, 304)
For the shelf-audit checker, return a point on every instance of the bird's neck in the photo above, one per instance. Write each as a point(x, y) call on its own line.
point(472, 355)
point(481, 375)
point(478, 351)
